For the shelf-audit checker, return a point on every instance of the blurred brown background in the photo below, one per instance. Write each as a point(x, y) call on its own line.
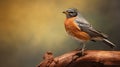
point(29, 28)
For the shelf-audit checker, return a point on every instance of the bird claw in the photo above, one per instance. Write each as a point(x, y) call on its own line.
point(78, 54)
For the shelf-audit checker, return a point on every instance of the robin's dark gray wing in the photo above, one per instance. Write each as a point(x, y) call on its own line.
point(86, 27)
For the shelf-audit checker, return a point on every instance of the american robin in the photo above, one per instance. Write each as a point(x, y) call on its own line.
point(80, 29)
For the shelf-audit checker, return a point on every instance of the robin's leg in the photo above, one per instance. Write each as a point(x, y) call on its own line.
point(80, 53)
point(83, 48)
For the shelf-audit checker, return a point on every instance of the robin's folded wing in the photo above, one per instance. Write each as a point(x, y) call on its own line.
point(86, 27)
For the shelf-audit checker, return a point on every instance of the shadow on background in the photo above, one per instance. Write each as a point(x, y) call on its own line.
point(29, 28)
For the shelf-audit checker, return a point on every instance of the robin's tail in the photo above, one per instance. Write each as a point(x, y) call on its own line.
point(107, 42)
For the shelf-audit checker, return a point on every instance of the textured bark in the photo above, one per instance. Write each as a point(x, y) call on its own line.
point(91, 58)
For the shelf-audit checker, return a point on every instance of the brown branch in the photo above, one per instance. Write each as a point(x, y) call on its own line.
point(91, 58)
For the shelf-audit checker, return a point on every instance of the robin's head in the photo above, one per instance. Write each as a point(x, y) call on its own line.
point(71, 12)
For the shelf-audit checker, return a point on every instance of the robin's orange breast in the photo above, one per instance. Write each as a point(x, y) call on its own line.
point(73, 30)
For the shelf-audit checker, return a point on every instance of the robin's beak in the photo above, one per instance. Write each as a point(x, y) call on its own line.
point(65, 12)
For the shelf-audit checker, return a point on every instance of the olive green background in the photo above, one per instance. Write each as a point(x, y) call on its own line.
point(29, 28)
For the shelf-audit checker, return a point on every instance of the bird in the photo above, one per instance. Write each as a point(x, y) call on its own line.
point(80, 29)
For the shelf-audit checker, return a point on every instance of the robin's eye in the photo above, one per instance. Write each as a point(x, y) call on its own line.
point(71, 12)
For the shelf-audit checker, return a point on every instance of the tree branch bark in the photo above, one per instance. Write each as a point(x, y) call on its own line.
point(91, 58)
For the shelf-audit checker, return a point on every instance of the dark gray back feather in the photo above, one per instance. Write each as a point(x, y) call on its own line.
point(86, 27)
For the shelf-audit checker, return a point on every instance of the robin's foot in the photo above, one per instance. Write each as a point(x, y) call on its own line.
point(82, 51)
point(78, 54)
